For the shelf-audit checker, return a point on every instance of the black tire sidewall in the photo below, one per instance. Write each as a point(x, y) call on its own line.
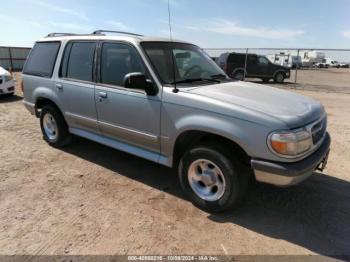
point(234, 75)
point(231, 194)
point(63, 133)
point(276, 77)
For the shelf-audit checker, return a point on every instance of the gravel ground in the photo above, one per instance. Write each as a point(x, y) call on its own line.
point(90, 199)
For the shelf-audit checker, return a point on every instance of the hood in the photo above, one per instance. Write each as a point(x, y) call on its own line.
point(3, 72)
point(286, 68)
point(293, 109)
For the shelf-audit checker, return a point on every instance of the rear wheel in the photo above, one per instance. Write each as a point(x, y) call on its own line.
point(212, 179)
point(239, 75)
point(279, 77)
point(53, 126)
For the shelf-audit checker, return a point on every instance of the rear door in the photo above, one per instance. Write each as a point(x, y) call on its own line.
point(126, 115)
point(252, 66)
point(76, 87)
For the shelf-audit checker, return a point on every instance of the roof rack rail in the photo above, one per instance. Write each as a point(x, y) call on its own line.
point(99, 32)
point(59, 34)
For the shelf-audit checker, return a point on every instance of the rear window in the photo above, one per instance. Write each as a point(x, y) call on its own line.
point(42, 58)
point(78, 61)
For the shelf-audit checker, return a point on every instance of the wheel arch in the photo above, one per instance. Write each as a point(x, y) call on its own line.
point(41, 102)
point(239, 69)
point(279, 71)
point(192, 137)
point(44, 96)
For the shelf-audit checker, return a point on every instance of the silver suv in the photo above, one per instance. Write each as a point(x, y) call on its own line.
point(168, 102)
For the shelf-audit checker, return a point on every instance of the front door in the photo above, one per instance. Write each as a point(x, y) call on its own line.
point(264, 67)
point(126, 115)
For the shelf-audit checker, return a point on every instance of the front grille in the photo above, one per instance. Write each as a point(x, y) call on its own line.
point(318, 131)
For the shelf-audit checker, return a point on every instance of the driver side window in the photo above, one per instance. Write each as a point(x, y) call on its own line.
point(117, 60)
point(263, 61)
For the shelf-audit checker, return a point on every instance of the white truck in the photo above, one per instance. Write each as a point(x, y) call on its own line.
point(328, 62)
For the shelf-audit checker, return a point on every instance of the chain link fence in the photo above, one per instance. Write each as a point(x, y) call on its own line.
point(13, 58)
point(307, 69)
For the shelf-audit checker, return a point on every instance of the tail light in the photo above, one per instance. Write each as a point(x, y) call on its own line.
point(225, 67)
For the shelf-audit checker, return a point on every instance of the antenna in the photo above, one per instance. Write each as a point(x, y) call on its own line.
point(175, 90)
point(169, 20)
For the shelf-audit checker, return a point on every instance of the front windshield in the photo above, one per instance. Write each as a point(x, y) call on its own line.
point(191, 63)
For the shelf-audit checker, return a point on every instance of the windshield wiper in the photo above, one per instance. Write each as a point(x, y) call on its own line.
point(222, 76)
point(192, 80)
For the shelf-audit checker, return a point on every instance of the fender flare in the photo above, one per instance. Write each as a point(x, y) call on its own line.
point(46, 93)
point(231, 130)
point(239, 69)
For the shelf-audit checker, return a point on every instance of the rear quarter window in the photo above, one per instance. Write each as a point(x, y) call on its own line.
point(236, 58)
point(42, 58)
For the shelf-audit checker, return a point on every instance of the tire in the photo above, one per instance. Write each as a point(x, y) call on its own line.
point(265, 80)
point(54, 127)
point(279, 77)
point(239, 75)
point(230, 188)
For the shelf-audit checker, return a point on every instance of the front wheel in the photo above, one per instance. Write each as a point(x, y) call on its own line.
point(53, 126)
point(279, 77)
point(211, 178)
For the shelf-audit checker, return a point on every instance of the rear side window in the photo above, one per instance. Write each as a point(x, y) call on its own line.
point(78, 61)
point(42, 58)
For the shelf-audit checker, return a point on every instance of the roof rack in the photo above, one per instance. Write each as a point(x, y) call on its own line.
point(99, 32)
point(64, 34)
point(59, 34)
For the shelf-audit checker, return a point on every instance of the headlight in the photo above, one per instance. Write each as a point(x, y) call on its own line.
point(290, 144)
point(8, 78)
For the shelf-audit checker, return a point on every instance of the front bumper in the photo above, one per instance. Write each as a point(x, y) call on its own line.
point(7, 90)
point(288, 174)
point(7, 87)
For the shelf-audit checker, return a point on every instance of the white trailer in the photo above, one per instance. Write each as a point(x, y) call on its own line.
point(284, 59)
point(308, 58)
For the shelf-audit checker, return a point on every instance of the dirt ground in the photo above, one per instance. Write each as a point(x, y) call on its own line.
point(90, 199)
point(328, 80)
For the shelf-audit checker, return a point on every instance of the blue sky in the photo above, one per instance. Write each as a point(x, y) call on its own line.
point(208, 23)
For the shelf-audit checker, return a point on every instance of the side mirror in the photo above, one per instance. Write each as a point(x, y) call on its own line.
point(139, 81)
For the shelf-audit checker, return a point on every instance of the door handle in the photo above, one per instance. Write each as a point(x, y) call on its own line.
point(102, 95)
point(59, 86)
